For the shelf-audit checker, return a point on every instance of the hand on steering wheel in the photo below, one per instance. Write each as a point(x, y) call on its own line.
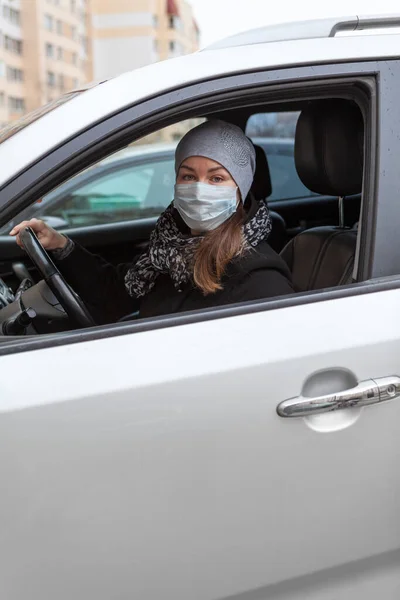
point(69, 300)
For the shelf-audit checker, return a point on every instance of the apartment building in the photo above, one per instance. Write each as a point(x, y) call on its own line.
point(130, 34)
point(56, 48)
point(45, 50)
point(12, 73)
point(48, 47)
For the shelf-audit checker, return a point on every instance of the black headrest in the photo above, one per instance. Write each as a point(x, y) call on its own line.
point(329, 147)
point(261, 186)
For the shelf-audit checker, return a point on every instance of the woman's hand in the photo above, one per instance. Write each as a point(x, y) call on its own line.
point(47, 236)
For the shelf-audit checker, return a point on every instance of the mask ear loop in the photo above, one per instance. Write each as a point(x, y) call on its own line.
point(240, 201)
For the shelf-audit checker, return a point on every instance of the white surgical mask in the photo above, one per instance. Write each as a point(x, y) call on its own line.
point(203, 206)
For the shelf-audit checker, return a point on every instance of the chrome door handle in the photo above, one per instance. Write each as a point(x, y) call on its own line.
point(370, 391)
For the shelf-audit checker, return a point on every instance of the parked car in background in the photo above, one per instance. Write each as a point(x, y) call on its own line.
point(135, 183)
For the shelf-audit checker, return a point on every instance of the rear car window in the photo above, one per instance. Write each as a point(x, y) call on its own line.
point(275, 133)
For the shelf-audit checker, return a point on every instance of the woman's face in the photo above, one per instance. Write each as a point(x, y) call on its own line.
point(198, 169)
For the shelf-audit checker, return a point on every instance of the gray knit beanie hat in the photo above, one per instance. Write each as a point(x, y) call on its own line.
point(226, 144)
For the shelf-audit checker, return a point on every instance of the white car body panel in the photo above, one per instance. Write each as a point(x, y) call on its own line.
point(52, 129)
point(168, 474)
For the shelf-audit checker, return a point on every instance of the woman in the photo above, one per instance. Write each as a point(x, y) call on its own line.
point(208, 247)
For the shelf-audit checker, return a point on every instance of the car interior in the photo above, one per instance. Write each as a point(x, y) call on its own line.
point(316, 235)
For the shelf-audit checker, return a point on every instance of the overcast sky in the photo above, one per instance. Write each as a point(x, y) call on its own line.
point(221, 18)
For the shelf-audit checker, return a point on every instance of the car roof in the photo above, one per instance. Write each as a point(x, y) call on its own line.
point(314, 28)
point(109, 97)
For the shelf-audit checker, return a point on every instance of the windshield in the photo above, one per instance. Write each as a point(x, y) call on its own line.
point(26, 120)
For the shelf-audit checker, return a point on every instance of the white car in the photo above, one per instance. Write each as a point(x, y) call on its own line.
point(247, 452)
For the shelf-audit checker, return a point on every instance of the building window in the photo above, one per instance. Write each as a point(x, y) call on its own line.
point(75, 82)
point(60, 28)
point(175, 48)
point(73, 5)
point(74, 33)
point(155, 21)
point(74, 58)
point(84, 42)
point(12, 15)
point(61, 83)
point(12, 45)
point(175, 23)
point(2, 98)
point(16, 105)
point(155, 45)
point(14, 74)
point(48, 22)
point(2, 68)
point(60, 53)
point(51, 79)
point(49, 50)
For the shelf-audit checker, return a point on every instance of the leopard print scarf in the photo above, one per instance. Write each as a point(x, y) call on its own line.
point(170, 251)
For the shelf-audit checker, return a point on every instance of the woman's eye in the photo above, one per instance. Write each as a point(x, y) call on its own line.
point(217, 179)
point(187, 177)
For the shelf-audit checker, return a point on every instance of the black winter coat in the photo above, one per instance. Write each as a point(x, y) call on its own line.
point(259, 273)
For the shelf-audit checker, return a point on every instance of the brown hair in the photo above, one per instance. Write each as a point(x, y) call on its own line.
point(216, 250)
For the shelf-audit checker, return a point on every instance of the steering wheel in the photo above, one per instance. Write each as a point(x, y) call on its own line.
point(69, 300)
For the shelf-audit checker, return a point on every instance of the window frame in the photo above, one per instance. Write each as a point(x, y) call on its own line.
point(50, 50)
point(14, 74)
point(18, 104)
point(13, 45)
point(190, 102)
point(48, 22)
point(51, 79)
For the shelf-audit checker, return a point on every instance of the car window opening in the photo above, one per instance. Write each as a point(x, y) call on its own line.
point(314, 202)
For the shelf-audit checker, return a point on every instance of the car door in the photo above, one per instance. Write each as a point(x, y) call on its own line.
point(155, 465)
point(149, 460)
